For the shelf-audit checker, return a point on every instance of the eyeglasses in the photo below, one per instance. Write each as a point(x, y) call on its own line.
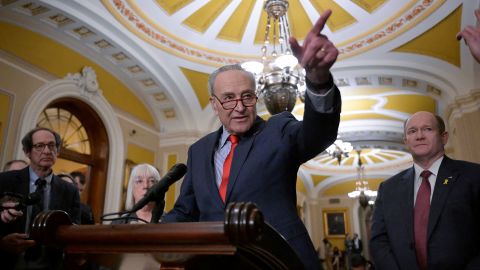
point(142, 181)
point(248, 100)
point(40, 147)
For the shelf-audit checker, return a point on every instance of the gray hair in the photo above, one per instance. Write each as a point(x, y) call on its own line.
point(213, 76)
point(141, 169)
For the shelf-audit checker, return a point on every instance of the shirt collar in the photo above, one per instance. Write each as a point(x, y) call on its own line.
point(434, 168)
point(34, 176)
point(223, 137)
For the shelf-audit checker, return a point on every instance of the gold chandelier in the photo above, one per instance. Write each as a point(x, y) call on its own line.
point(280, 79)
point(362, 191)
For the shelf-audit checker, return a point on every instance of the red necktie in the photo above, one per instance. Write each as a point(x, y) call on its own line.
point(226, 167)
point(421, 212)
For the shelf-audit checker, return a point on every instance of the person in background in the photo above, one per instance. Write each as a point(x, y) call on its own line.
point(13, 165)
point(80, 180)
point(41, 146)
point(142, 178)
point(357, 246)
point(428, 216)
point(360, 263)
point(328, 251)
point(348, 250)
point(86, 214)
point(336, 258)
point(471, 35)
point(249, 159)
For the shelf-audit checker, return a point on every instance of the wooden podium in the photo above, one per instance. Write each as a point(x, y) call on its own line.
point(242, 241)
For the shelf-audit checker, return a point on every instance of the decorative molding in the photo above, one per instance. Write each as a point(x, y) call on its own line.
point(86, 81)
point(463, 104)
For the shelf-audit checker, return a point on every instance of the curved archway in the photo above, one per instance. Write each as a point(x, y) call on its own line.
point(95, 158)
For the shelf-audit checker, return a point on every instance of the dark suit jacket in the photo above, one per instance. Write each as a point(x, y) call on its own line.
point(63, 196)
point(453, 226)
point(264, 171)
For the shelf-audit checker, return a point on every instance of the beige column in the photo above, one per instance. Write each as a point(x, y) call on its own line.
point(463, 118)
point(313, 220)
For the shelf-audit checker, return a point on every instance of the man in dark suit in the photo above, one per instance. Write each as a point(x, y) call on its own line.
point(428, 220)
point(267, 154)
point(357, 245)
point(41, 146)
point(86, 214)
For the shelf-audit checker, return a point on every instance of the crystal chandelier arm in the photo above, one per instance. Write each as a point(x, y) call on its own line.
point(317, 54)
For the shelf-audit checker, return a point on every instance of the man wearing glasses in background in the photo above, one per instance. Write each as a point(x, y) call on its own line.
point(252, 160)
point(41, 146)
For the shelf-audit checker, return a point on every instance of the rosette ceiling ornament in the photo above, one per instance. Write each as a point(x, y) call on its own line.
point(280, 79)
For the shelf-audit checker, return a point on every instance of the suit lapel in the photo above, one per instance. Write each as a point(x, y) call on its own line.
point(405, 190)
point(446, 179)
point(24, 179)
point(211, 145)
point(55, 188)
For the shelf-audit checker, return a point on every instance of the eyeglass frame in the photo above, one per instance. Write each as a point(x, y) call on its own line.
point(150, 180)
point(40, 147)
point(236, 102)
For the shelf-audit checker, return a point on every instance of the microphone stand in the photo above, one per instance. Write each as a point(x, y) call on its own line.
point(157, 211)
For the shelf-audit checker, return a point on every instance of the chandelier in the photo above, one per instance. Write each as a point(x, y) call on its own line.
point(339, 149)
point(362, 191)
point(279, 77)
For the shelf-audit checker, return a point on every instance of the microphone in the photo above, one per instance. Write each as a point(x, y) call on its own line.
point(157, 191)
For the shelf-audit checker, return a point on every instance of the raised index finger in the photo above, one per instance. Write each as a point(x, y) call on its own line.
point(320, 24)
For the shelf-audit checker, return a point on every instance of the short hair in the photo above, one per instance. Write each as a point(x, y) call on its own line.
point(10, 163)
point(80, 176)
point(440, 124)
point(358, 260)
point(66, 175)
point(213, 76)
point(140, 169)
point(27, 141)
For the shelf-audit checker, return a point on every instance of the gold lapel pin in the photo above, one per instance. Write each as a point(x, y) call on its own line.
point(445, 182)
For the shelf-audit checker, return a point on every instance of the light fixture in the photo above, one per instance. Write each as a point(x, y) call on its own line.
point(280, 79)
point(339, 149)
point(362, 191)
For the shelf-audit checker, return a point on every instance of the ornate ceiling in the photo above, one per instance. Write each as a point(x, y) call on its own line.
point(396, 57)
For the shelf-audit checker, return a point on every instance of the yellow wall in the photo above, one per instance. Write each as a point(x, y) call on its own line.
point(60, 60)
point(138, 154)
point(170, 196)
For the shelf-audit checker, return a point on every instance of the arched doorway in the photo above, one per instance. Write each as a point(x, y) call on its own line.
point(85, 146)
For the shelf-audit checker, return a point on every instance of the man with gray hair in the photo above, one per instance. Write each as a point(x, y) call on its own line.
point(249, 159)
point(41, 146)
